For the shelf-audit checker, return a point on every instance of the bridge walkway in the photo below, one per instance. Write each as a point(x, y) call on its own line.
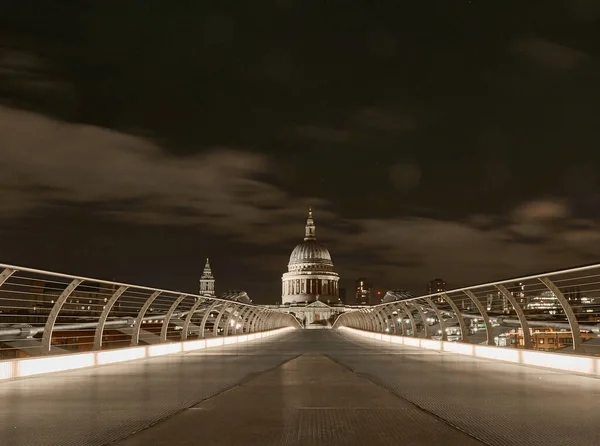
point(310, 387)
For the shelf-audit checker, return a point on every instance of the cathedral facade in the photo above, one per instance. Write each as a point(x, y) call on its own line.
point(310, 276)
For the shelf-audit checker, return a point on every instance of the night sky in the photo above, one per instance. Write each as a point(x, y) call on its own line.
point(453, 139)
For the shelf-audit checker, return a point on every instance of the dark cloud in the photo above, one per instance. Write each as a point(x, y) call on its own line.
point(456, 141)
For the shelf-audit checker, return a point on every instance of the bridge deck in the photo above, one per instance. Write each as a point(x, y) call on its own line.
point(303, 388)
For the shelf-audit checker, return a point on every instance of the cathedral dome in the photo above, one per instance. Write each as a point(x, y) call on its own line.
point(310, 251)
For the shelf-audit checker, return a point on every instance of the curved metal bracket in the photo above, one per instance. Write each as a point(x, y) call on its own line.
point(4, 275)
point(249, 322)
point(241, 316)
point(378, 317)
point(232, 309)
point(135, 336)
point(165, 327)
point(389, 318)
point(399, 315)
point(439, 316)
point(206, 316)
point(104, 316)
point(47, 335)
point(484, 315)
point(412, 319)
point(252, 322)
point(422, 315)
point(461, 321)
point(520, 314)
point(403, 315)
point(575, 330)
point(188, 318)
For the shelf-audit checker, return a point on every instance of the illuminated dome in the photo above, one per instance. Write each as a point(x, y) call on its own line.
point(310, 275)
point(309, 253)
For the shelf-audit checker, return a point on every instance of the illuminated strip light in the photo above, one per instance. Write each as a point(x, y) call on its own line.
point(20, 368)
point(556, 361)
point(120, 355)
point(163, 349)
point(35, 366)
point(194, 345)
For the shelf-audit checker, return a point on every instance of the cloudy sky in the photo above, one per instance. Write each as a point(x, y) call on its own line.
point(453, 139)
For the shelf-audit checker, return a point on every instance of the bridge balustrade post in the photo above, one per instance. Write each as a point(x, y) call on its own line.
point(235, 308)
point(5, 275)
point(461, 321)
point(254, 322)
point(378, 315)
point(411, 318)
point(439, 316)
point(262, 321)
point(527, 343)
point(422, 316)
point(99, 332)
point(366, 320)
point(571, 318)
point(242, 315)
point(190, 315)
point(49, 326)
point(389, 318)
point(137, 327)
point(484, 315)
point(165, 327)
point(370, 320)
point(205, 317)
point(248, 318)
point(218, 319)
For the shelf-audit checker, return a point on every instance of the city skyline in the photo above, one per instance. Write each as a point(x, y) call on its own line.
point(424, 155)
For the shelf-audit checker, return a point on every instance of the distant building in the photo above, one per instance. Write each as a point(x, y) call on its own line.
point(363, 292)
point(207, 282)
point(436, 286)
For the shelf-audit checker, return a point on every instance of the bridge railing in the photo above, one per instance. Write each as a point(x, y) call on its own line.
point(557, 311)
point(46, 313)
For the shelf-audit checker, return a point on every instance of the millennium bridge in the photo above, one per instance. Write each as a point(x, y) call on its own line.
point(92, 362)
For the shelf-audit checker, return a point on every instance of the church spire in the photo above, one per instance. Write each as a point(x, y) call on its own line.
point(309, 232)
point(207, 281)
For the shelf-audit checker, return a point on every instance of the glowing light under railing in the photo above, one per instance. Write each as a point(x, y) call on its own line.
point(230, 340)
point(413, 342)
point(214, 342)
point(569, 363)
point(503, 354)
point(37, 366)
point(460, 348)
point(164, 349)
point(120, 355)
point(7, 370)
point(430, 344)
point(194, 345)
